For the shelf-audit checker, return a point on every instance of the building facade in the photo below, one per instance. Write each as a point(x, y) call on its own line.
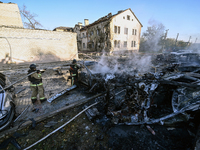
point(111, 33)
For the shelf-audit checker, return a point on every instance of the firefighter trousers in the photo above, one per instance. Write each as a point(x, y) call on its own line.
point(37, 89)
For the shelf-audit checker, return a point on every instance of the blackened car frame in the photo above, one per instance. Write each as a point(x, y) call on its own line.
point(7, 107)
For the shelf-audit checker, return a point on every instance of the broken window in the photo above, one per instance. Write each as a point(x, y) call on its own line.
point(125, 43)
point(91, 33)
point(115, 43)
point(125, 30)
point(89, 45)
point(104, 29)
point(83, 45)
point(128, 17)
point(98, 31)
point(118, 30)
point(115, 30)
point(131, 43)
point(118, 44)
point(134, 43)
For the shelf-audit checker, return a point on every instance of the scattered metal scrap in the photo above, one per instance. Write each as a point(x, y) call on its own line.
point(61, 93)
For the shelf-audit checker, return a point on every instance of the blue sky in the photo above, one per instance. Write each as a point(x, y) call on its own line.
point(179, 16)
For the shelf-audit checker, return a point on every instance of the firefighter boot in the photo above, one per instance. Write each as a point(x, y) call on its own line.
point(33, 101)
point(43, 100)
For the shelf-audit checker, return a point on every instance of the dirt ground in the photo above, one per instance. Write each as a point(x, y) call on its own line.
point(81, 133)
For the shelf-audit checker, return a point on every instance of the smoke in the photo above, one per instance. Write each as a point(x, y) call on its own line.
point(195, 47)
point(129, 64)
point(152, 38)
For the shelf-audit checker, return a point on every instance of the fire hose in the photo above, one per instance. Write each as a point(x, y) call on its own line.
point(60, 126)
point(17, 81)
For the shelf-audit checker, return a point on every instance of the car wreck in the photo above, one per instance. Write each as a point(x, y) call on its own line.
point(7, 106)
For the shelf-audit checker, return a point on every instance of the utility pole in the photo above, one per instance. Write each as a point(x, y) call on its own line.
point(189, 41)
point(176, 40)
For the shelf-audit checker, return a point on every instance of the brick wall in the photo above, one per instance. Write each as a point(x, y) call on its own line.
point(26, 45)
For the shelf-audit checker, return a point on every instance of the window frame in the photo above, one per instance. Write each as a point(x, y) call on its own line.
point(125, 44)
point(118, 29)
point(133, 31)
point(115, 29)
point(118, 44)
point(135, 44)
point(115, 43)
point(125, 30)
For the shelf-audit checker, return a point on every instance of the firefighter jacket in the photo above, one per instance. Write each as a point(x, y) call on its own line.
point(74, 70)
point(35, 78)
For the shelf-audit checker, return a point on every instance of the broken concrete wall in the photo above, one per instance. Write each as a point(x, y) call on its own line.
point(125, 20)
point(26, 45)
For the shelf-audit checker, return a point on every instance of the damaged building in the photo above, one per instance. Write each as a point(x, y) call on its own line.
point(118, 32)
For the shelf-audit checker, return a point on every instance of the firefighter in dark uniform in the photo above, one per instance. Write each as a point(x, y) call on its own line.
point(74, 72)
point(36, 84)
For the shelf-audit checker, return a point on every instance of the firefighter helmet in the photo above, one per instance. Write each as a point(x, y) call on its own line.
point(74, 61)
point(32, 66)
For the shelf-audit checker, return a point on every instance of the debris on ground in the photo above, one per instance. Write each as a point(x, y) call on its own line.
point(151, 105)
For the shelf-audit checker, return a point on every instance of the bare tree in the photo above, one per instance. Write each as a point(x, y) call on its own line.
point(29, 19)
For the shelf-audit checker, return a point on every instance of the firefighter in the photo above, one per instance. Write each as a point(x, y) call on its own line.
point(36, 84)
point(74, 72)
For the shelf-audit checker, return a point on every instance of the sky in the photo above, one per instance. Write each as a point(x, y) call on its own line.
point(179, 16)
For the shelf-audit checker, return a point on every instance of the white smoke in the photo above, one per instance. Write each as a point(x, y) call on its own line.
point(152, 37)
point(195, 47)
point(130, 64)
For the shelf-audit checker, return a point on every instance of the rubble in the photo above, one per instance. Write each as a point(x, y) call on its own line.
point(133, 106)
point(164, 95)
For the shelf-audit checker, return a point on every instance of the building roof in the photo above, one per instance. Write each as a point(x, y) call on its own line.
point(64, 28)
point(108, 17)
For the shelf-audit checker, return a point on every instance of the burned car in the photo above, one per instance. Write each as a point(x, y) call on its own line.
point(7, 106)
